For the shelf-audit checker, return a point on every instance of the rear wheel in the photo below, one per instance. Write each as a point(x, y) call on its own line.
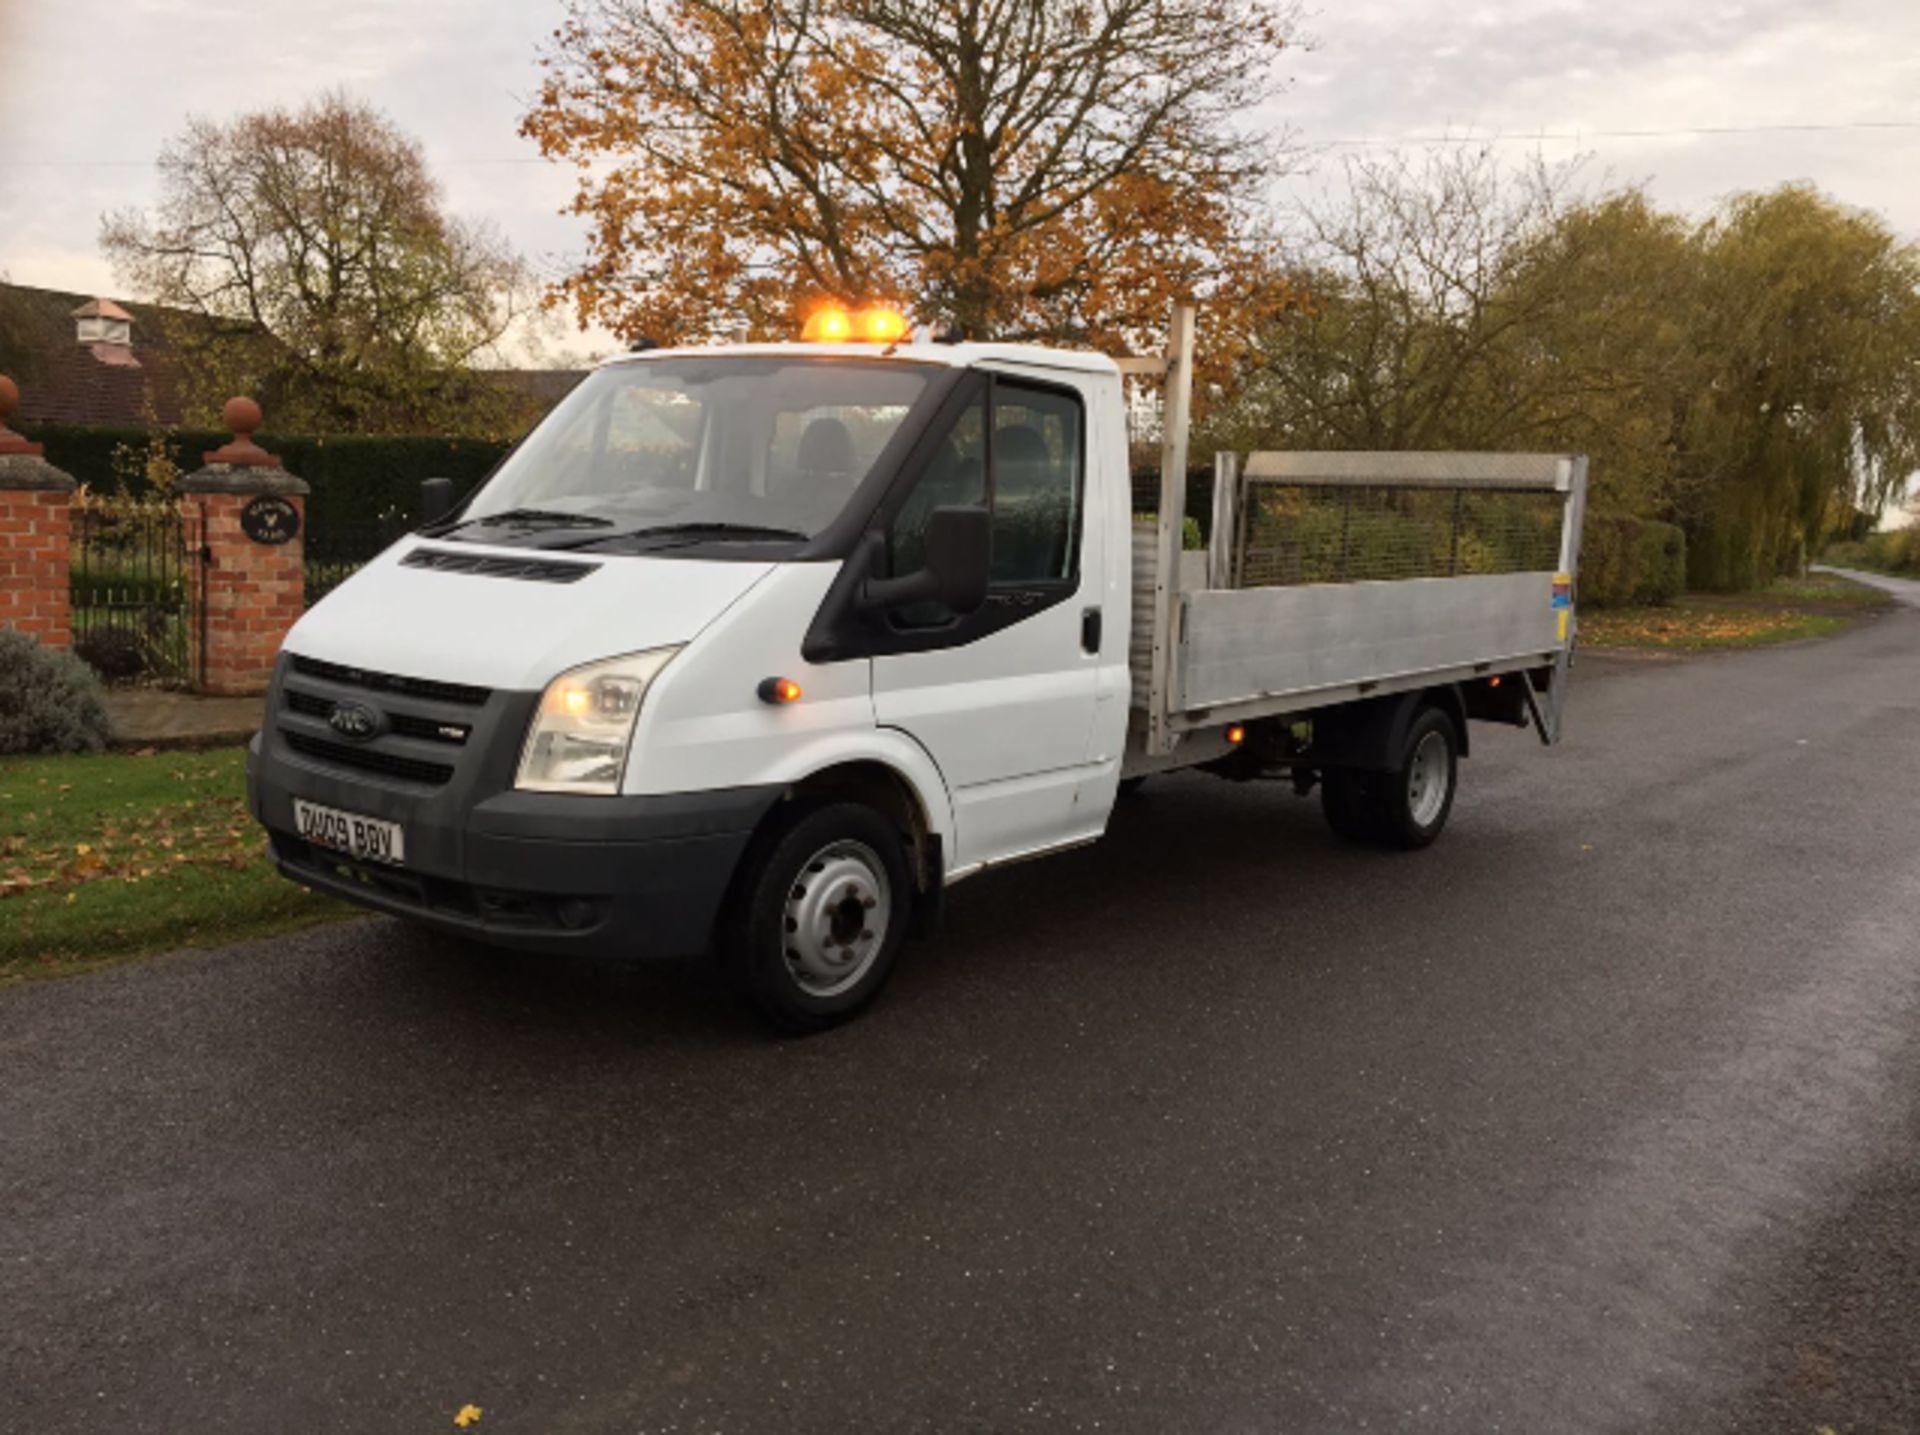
point(821, 912)
point(1407, 807)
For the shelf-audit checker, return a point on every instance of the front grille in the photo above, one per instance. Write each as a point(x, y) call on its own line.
point(457, 693)
point(366, 759)
point(309, 704)
point(401, 724)
point(428, 729)
point(492, 565)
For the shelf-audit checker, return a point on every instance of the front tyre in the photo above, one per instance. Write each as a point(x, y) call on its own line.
point(822, 910)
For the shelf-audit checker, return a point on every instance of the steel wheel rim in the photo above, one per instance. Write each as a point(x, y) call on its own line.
point(1428, 778)
point(835, 918)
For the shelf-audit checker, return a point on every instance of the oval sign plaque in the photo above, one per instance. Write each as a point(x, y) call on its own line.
point(270, 519)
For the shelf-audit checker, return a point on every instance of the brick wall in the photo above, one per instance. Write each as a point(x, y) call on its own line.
point(35, 535)
point(247, 598)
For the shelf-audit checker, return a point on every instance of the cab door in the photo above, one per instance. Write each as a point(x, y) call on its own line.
point(1004, 698)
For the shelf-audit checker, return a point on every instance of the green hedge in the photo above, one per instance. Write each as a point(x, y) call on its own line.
point(1631, 561)
point(357, 481)
point(1896, 552)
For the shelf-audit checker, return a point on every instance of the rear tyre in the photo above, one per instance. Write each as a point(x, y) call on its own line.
point(820, 912)
point(1405, 808)
point(1131, 785)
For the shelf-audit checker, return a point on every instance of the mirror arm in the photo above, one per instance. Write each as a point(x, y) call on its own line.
point(897, 592)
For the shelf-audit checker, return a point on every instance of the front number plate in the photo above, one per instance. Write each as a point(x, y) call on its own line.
point(349, 832)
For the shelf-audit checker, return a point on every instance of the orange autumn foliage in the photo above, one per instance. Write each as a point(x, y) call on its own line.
point(1057, 169)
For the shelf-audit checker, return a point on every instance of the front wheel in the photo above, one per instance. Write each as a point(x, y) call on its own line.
point(821, 912)
point(1406, 807)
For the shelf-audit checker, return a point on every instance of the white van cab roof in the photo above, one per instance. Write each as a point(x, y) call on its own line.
point(957, 356)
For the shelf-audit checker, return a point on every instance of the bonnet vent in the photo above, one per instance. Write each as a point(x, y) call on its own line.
point(492, 565)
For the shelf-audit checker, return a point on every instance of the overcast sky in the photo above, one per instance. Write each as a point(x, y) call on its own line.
point(89, 88)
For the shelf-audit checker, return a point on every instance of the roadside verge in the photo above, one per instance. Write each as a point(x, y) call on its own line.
point(1817, 606)
point(116, 855)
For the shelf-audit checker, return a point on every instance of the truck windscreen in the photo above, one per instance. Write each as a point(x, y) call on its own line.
point(719, 449)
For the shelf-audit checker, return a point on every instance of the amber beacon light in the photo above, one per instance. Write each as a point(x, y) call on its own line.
point(875, 324)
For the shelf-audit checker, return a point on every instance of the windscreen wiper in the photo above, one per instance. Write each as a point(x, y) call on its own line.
point(741, 530)
point(533, 517)
point(694, 532)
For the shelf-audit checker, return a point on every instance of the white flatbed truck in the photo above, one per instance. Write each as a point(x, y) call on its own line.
point(755, 650)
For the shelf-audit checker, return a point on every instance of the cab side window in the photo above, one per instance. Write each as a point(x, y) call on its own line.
point(1036, 485)
point(1033, 491)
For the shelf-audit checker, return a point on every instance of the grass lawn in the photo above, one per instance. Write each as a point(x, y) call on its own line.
point(115, 855)
point(1817, 606)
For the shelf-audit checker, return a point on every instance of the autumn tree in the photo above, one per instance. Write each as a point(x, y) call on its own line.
point(314, 249)
point(1056, 168)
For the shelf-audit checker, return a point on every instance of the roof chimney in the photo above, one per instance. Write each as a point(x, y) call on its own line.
point(107, 329)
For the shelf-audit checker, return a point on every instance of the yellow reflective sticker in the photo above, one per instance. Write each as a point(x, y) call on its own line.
point(1564, 614)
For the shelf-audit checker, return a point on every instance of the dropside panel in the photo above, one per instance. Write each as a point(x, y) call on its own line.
point(1263, 643)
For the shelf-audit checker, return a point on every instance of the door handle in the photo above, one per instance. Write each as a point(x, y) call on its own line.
point(1090, 630)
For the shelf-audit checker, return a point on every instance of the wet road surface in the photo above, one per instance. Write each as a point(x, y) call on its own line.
point(1216, 1126)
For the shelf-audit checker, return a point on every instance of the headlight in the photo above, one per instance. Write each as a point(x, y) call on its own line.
point(579, 738)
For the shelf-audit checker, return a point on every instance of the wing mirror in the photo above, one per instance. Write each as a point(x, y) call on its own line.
point(959, 541)
point(436, 499)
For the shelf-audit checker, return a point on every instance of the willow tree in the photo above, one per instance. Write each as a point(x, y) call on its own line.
point(1813, 320)
point(1056, 168)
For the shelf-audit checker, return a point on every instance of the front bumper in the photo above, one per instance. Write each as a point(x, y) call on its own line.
point(546, 872)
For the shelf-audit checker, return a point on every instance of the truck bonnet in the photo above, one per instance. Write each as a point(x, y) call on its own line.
point(512, 618)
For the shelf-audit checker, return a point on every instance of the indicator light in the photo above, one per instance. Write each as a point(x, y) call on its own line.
point(779, 691)
point(1236, 735)
point(1493, 682)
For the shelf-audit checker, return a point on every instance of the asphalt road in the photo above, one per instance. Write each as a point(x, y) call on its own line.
point(1217, 1126)
point(1907, 590)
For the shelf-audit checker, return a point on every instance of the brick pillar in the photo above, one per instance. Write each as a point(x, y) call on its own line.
point(36, 534)
point(245, 521)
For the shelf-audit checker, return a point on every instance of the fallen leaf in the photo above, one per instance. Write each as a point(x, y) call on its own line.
point(468, 1415)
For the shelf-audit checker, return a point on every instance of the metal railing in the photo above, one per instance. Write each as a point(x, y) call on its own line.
point(128, 579)
point(336, 549)
point(1358, 518)
point(1297, 534)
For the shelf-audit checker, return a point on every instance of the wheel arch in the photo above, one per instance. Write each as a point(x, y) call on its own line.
point(884, 788)
point(1371, 734)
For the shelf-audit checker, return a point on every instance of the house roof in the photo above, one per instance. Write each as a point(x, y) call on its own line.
point(98, 385)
